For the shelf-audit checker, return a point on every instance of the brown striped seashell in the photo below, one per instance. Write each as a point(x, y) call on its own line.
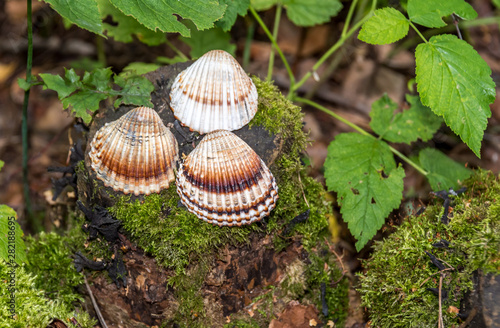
point(214, 93)
point(135, 154)
point(224, 182)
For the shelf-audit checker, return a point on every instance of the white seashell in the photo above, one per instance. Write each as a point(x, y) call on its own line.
point(224, 182)
point(135, 154)
point(214, 93)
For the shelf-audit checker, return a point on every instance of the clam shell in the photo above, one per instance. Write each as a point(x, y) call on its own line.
point(224, 182)
point(135, 154)
point(214, 93)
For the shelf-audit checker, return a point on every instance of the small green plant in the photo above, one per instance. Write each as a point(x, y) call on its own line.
point(453, 83)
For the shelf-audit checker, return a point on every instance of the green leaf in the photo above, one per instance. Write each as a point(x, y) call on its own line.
point(170, 61)
point(99, 79)
point(234, 8)
point(454, 81)
point(444, 173)
point(311, 12)
point(260, 5)
point(63, 87)
point(1, 164)
point(85, 14)
point(126, 26)
point(136, 91)
point(387, 25)
point(161, 14)
point(83, 101)
point(12, 248)
point(496, 3)
point(362, 170)
point(138, 68)
point(203, 41)
point(418, 122)
point(429, 13)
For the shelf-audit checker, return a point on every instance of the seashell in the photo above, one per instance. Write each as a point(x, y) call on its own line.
point(214, 93)
point(224, 182)
point(135, 154)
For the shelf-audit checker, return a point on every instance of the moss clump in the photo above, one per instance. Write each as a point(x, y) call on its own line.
point(394, 286)
point(33, 307)
point(170, 233)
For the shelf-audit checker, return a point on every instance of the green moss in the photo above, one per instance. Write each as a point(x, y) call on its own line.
point(32, 307)
point(393, 288)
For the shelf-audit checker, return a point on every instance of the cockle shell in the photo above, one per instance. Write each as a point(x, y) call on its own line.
point(214, 93)
point(224, 182)
point(135, 154)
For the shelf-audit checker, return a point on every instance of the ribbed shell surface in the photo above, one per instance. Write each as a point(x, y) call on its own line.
point(135, 154)
point(214, 93)
point(224, 182)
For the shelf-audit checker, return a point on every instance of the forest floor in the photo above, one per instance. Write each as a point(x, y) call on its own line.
point(362, 74)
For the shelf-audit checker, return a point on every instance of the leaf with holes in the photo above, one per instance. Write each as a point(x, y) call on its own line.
point(454, 81)
point(162, 14)
point(429, 13)
point(362, 170)
point(444, 173)
point(387, 25)
point(417, 122)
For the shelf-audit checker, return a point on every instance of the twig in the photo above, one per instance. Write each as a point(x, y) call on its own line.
point(303, 193)
point(440, 322)
point(94, 303)
point(435, 273)
point(471, 316)
point(455, 22)
point(339, 258)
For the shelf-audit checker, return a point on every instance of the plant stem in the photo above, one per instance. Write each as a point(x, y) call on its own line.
point(101, 54)
point(338, 44)
point(360, 130)
point(176, 50)
point(248, 43)
point(275, 36)
point(416, 30)
point(273, 41)
point(333, 114)
point(349, 17)
point(26, 186)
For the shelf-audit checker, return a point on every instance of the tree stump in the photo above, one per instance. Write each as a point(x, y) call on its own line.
point(183, 272)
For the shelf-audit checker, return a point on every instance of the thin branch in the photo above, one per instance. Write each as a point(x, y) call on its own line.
point(455, 22)
point(275, 36)
point(273, 41)
point(94, 303)
point(471, 316)
point(303, 193)
point(339, 258)
point(440, 322)
point(435, 273)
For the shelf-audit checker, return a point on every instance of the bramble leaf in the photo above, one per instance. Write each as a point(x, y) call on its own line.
point(362, 170)
point(429, 13)
point(136, 90)
point(12, 248)
point(138, 68)
point(311, 12)
point(234, 8)
point(454, 81)
point(127, 26)
point(387, 25)
point(162, 14)
point(203, 41)
point(417, 122)
point(444, 173)
point(85, 14)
